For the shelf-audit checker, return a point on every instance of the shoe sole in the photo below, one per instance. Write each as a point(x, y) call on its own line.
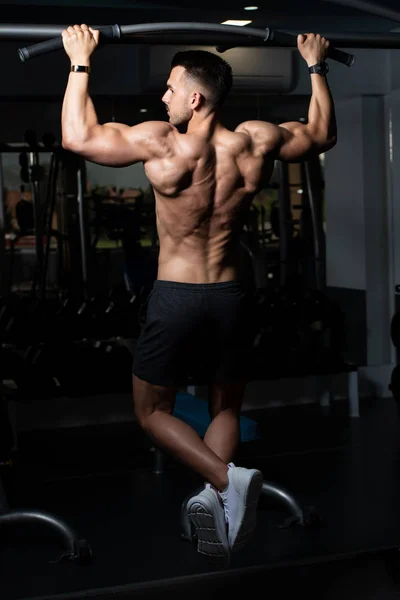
point(248, 520)
point(212, 539)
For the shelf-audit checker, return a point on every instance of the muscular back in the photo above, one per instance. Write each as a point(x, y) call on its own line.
point(204, 188)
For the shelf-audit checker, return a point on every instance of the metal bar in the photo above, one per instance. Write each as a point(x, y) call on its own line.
point(33, 33)
point(364, 40)
point(307, 235)
point(352, 40)
point(58, 525)
point(264, 36)
point(354, 407)
point(43, 32)
point(83, 230)
point(344, 40)
point(281, 495)
point(284, 221)
point(3, 278)
point(33, 161)
point(314, 192)
point(48, 219)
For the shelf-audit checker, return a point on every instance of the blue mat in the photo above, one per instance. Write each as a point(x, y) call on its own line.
point(194, 411)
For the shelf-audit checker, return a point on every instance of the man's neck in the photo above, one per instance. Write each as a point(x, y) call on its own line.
point(204, 125)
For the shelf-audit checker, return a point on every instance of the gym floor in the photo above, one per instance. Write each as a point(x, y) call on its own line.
point(99, 478)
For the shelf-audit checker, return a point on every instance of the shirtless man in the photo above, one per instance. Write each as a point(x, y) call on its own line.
point(204, 181)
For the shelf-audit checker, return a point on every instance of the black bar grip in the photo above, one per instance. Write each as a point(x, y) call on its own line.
point(107, 32)
point(288, 39)
point(340, 56)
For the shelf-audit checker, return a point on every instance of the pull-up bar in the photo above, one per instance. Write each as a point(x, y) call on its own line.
point(224, 37)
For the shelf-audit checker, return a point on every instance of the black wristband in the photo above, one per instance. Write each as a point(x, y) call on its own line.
point(321, 68)
point(80, 69)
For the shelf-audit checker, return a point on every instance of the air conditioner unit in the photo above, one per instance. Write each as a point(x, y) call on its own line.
point(256, 69)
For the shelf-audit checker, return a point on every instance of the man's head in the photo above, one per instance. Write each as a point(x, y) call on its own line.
point(198, 80)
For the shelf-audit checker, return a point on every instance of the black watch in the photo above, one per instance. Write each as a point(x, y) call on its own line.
point(321, 68)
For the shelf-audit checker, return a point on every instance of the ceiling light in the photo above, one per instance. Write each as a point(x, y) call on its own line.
point(143, 110)
point(251, 8)
point(238, 23)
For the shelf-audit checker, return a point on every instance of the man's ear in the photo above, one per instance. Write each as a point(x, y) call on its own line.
point(197, 100)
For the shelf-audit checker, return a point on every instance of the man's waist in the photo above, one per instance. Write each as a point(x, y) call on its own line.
point(202, 287)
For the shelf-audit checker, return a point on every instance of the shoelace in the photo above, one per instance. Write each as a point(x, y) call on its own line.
point(226, 512)
point(224, 503)
point(221, 501)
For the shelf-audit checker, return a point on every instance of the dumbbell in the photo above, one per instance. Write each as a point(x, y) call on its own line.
point(74, 318)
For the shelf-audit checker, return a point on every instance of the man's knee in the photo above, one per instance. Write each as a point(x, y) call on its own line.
point(215, 409)
point(148, 400)
point(226, 398)
point(142, 416)
point(145, 414)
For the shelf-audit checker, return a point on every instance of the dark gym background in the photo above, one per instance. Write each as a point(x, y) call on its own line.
point(324, 237)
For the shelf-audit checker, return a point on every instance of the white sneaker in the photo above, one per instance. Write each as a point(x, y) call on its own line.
point(207, 515)
point(240, 501)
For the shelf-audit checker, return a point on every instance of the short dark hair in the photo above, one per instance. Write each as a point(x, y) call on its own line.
point(209, 69)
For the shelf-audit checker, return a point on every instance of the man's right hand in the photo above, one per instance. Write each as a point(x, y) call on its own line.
point(313, 48)
point(80, 41)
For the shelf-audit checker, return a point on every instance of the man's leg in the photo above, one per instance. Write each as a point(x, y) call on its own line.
point(240, 498)
point(223, 433)
point(153, 408)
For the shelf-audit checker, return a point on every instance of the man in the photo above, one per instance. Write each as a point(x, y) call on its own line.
point(204, 182)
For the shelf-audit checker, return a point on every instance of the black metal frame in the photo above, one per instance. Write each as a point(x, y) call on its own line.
point(40, 212)
point(285, 225)
point(40, 224)
point(313, 188)
point(3, 284)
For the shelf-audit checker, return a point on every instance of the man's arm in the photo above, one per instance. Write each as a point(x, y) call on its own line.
point(110, 144)
point(295, 141)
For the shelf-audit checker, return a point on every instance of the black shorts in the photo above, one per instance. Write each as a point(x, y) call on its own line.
point(197, 332)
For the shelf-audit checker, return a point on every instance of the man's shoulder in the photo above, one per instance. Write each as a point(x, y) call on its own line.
point(254, 126)
point(155, 128)
point(264, 135)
